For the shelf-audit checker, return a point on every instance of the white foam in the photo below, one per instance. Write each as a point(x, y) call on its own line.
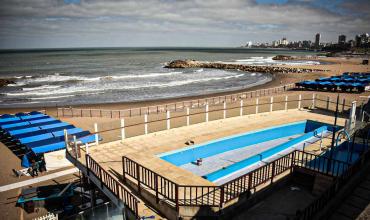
point(52, 97)
point(40, 87)
point(108, 87)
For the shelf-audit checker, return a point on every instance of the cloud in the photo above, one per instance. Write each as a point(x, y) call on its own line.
point(61, 23)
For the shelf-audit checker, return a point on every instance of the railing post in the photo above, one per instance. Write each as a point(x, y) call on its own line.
point(87, 165)
point(156, 187)
point(146, 123)
point(123, 170)
point(66, 138)
point(187, 116)
point(224, 109)
point(327, 102)
point(241, 107)
point(168, 120)
point(273, 171)
point(343, 104)
point(100, 177)
point(96, 134)
point(271, 103)
point(256, 105)
point(352, 116)
point(75, 146)
point(207, 109)
point(222, 196)
point(292, 163)
point(299, 101)
point(177, 197)
point(286, 103)
point(138, 177)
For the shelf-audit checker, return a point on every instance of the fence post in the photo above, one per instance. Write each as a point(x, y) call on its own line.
point(241, 107)
point(327, 102)
point(123, 133)
point(286, 103)
point(271, 103)
point(224, 109)
point(66, 138)
point(96, 133)
point(146, 123)
point(168, 120)
point(299, 101)
point(256, 105)
point(313, 100)
point(187, 116)
point(207, 109)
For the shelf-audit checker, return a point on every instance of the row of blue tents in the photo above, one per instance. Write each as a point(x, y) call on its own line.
point(39, 133)
point(346, 82)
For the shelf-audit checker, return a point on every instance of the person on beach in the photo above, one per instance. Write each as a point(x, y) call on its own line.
point(42, 164)
point(35, 168)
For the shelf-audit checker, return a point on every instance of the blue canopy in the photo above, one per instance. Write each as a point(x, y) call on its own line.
point(25, 162)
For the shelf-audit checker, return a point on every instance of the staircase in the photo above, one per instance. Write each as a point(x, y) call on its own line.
point(321, 183)
point(356, 203)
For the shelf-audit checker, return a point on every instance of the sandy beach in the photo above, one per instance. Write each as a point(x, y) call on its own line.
point(338, 65)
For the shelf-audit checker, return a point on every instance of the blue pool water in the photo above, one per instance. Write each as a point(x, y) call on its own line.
point(294, 133)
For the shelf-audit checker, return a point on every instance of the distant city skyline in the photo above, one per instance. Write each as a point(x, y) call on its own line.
point(187, 23)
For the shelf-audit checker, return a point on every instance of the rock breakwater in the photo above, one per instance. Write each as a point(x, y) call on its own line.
point(247, 68)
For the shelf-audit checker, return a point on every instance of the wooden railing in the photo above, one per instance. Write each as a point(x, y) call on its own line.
point(216, 196)
point(109, 182)
point(113, 185)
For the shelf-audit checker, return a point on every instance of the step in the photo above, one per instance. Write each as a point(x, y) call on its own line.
point(338, 216)
point(349, 211)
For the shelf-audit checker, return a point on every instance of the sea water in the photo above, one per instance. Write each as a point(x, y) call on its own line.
point(63, 77)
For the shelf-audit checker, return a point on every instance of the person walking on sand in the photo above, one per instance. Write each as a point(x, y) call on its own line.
point(35, 168)
point(42, 164)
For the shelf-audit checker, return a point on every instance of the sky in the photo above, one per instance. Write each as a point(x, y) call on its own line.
point(181, 23)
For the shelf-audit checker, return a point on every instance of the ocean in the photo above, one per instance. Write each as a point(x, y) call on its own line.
point(64, 77)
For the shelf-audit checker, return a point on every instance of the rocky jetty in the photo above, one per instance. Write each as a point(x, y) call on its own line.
point(4, 82)
point(247, 68)
point(283, 57)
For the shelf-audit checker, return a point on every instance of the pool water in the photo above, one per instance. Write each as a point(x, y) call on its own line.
point(225, 158)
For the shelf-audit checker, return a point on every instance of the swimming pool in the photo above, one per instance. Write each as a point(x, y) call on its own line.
point(225, 156)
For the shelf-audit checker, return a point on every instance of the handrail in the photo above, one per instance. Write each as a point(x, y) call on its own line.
point(218, 195)
point(110, 183)
point(113, 185)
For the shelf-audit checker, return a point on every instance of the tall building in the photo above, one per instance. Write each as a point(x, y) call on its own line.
point(317, 40)
point(342, 39)
point(358, 41)
point(284, 41)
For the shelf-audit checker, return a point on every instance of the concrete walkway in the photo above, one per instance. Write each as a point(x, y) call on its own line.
point(37, 180)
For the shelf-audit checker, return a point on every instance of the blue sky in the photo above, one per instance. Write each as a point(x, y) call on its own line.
point(213, 23)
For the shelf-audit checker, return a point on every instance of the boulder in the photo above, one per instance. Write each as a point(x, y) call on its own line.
point(283, 57)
